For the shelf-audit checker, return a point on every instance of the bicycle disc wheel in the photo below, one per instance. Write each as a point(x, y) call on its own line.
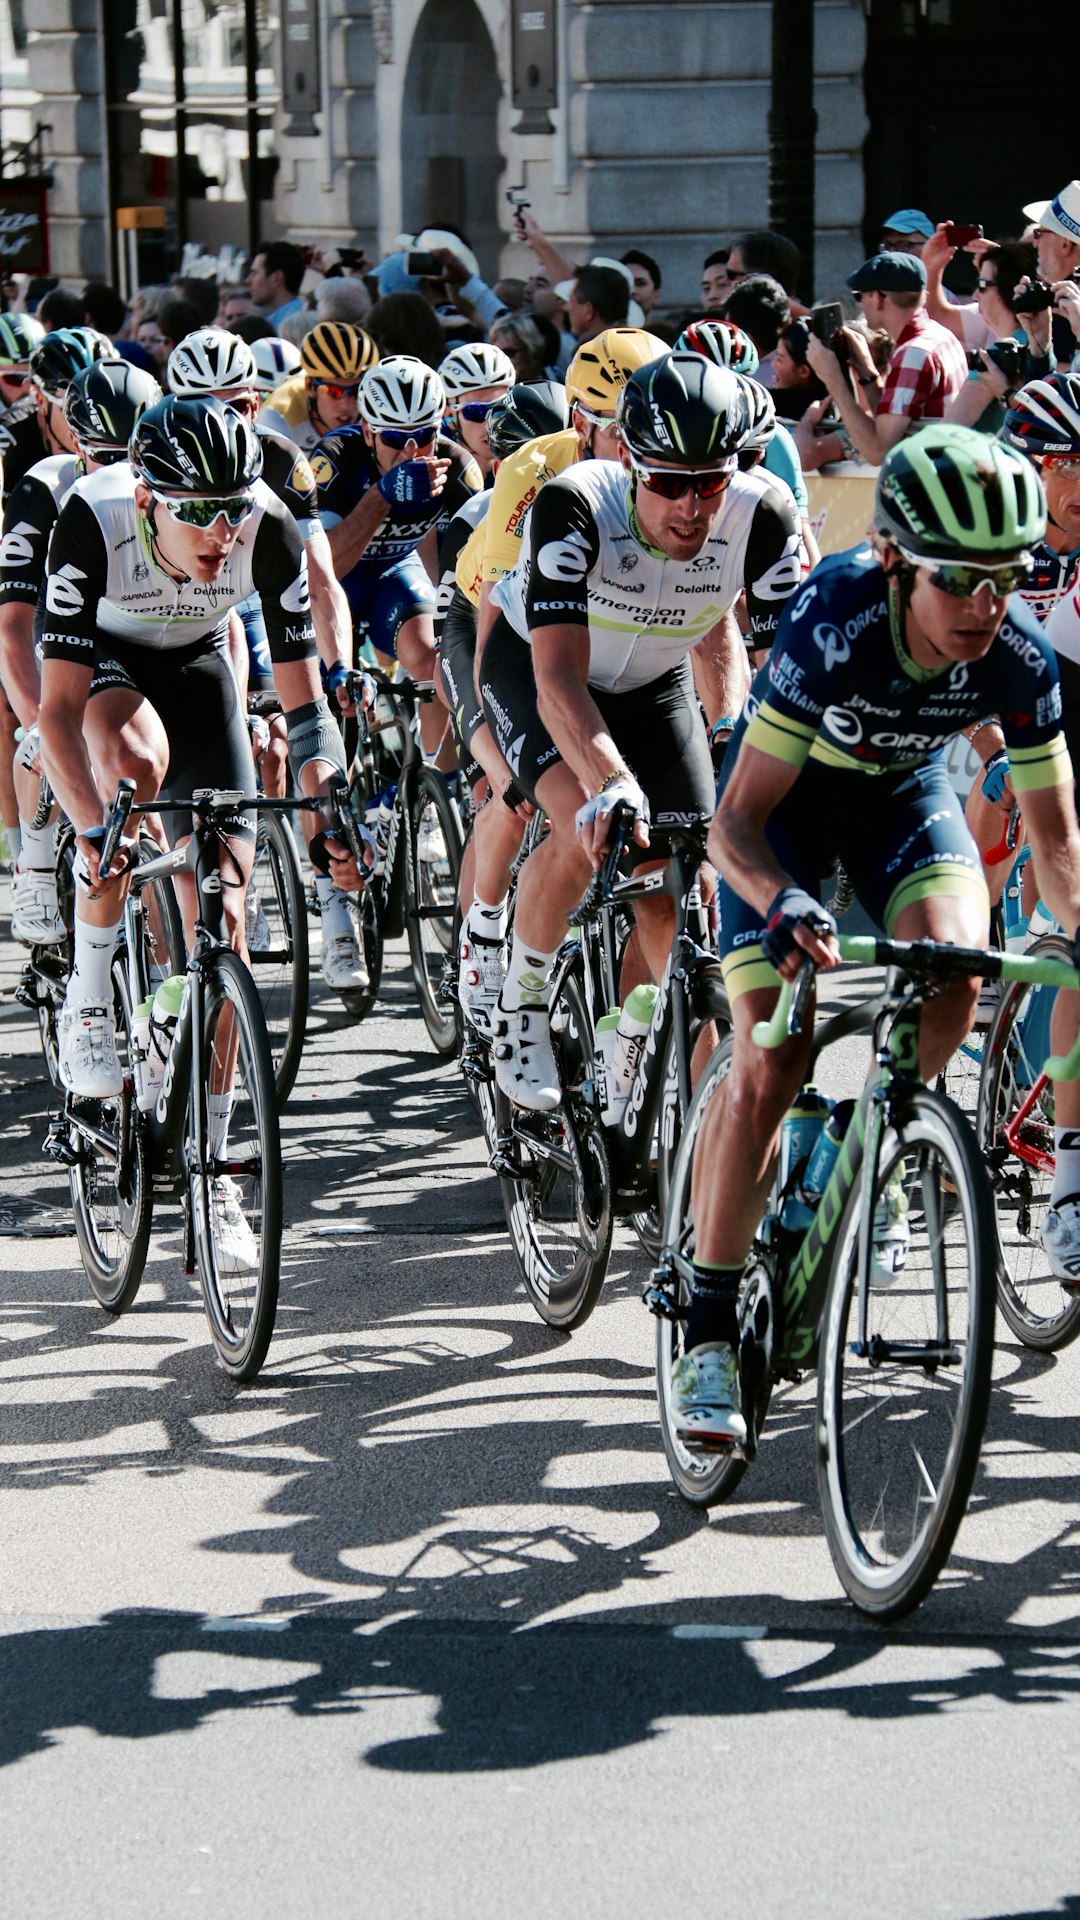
point(1032, 1300)
point(703, 1479)
point(235, 1192)
point(277, 932)
point(558, 1205)
point(433, 861)
point(110, 1185)
point(899, 1427)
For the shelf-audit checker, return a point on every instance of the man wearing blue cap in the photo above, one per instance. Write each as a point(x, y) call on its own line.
point(906, 231)
point(928, 365)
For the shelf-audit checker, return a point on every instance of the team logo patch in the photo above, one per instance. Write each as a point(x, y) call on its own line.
point(301, 479)
point(321, 470)
point(62, 596)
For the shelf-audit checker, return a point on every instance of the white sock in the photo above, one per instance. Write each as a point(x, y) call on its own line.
point(1066, 1164)
point(36, 847)
point(487, 923)
point(528, 976)
point(91, 977)
point(13, 836)
point(333, 910)
point(218, 1113)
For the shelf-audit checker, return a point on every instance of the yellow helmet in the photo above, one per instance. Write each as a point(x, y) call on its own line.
point(334, 350)
point(601, 368)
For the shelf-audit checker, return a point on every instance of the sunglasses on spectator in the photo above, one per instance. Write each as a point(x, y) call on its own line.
point(962, 578)
point(982, 285)
point(335, 389)
point(202, 513)
point(399, 437)
point(476, 410)
point(670, 484)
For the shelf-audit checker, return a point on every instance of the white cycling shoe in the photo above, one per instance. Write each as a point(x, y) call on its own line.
point(234, 1243)
point(481, 972)
point(524, 1061)
point(35, 914)
point(343, 965)
point(86, 1052)
point(1060, 1236)
point(706, 1409)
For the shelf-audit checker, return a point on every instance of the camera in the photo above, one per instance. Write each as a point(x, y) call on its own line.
point(1010, 357)
point(1038, 298)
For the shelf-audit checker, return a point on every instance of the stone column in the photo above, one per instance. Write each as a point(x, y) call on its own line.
point(65, 57)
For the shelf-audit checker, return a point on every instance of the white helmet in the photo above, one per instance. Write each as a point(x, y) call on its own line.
point(472, 367)
point(401, 392)
point(274, 361)
point(211, 360)
point(761, 414)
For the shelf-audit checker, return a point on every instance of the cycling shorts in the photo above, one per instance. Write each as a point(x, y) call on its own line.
point(456, 667)
point(381, 603)
point(901, 838)
point(193, 691)
point(658, 728)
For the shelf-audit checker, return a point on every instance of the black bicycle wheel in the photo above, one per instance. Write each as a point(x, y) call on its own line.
point(277, 933)
point(558, 1202)
point(900, 1423)
point(367, 913)
point(433, 862)
point(110, 1186)
point(1032, 1300)
point(703, 1479)
point(234, 1188)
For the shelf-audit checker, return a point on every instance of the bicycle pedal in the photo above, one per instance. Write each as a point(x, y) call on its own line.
point(662, 1303)
point(58, 1145)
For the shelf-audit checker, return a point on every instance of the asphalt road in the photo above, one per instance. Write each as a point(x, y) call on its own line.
point(416, 1624)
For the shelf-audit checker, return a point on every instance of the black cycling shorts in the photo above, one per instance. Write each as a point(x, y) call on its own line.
point(658, 728)
point(193, 691)
point(456, 664)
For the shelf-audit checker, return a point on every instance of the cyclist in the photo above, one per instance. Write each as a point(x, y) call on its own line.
point(386, 489)
point(21, 444)
point(587, 680)
point(275, 362)
point(334, 358)
point(474, 377)
point(102, 407)
point(885, 653)
point(145, 563)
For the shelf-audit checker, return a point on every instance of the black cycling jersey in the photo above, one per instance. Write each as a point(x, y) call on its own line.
point(287, 473)
point(105, 583)
point(30, 514)
point(22, 443)
point(345, 469)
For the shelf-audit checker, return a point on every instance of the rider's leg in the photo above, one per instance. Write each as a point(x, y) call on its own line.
point(416, 651)
point(552, 880)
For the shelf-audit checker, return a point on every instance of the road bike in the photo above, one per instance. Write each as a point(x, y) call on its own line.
point(903, 1369)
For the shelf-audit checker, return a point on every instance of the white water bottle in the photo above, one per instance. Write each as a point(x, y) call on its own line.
point(634, 1023)
point(144, 1058)
point(603, 1057)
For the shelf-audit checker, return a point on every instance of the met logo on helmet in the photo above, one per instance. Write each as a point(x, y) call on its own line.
point(62, 596)
point(660, 426)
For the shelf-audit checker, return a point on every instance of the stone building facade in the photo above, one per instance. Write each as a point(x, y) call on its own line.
point(658, 132)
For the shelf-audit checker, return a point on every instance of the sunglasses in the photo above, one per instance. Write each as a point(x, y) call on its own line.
point(335, 390)
point(105, 456)
point(594, 419)
point(962, 579)
point(669, 485)
point(397, 438)
point(14, 379)
point(982, 285)
point(202, 513)
point(1064, 463)
point(476, 410)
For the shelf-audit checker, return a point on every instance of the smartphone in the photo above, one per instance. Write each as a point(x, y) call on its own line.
point(351, 257)
point(425, 265)
point(826, 319)
point(962, 236)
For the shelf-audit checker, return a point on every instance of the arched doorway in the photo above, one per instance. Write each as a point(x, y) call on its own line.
point(450, 160)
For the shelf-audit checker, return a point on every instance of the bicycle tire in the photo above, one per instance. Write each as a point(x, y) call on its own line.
point(111, 1196)
point(1032, 1300)
point(240, 1304)
point(278, 946)
point(649, 1224)
point(432, 864)
point(560, 1224)
point(703, 1479)
point(162, 921)
point(367, 919)
point(898, 1442)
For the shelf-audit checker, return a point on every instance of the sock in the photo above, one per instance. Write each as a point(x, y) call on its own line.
point(488, 924)
point(333, 910)
point(36, 847)
point(219, 1112)
point(91, 977)
point(1066, 1164)
point(13, 836)
point(527, 976)
point(714, 1293)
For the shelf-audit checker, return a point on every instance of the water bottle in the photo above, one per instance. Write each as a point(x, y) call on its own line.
point(163, 1015)
point(144, 1058)
point(798, 1137)
point(827, 1151)
point(603, 1058)
point(634, 1023)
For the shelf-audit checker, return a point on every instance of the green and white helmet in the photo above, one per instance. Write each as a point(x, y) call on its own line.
point(949, 493)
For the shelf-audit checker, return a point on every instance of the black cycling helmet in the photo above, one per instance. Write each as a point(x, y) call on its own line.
point(17, 342)
point(682, 409)
point(105, 402)
point(531, 407)
point(195, 446)
point(64, 353)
